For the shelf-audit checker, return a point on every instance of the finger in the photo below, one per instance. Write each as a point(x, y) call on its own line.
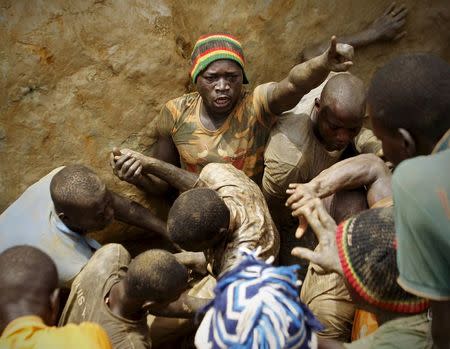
point(342, 67)
point(326, 221)
point(112, 162)
point(304, 253)
point(305, 210)
point(132, 170)
point(294, 185)
point(290, 191)
point(294, 197)
point(399, 36)
point(302, 202)
point(120, 160)
point(400, 23)
point(389, 9)
point(127, 164)
point(302, 227)
point(333, 44)
point(116, 151)
point(139, 170)
point(402, 13)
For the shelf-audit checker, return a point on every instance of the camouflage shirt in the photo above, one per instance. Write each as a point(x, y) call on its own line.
point(240, 140)
point(251, 225)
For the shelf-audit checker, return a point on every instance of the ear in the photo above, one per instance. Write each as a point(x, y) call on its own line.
point(317, 102)
point(54, 307)
point(147, 305)
point(408, 142)
point(62, 216)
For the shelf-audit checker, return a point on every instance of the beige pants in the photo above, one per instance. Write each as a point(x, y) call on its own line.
point(328, 298)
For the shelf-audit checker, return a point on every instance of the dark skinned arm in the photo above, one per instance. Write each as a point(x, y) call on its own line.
point(140, 164)
point(130, 212)
point(388, 27)
point(304, 77)
point(184, 307)
point(440, 328)
point(124, 167)
point(193, 260)
point(363, 170)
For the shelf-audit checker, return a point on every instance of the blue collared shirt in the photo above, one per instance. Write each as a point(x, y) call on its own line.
point(31, 220)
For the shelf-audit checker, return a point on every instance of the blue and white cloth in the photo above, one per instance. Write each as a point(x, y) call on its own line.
point(257, 306)
point(31, 220)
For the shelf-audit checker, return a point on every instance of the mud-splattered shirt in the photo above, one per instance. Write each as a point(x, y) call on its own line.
point(87, 296)
point(250, 222)
point(240, 140)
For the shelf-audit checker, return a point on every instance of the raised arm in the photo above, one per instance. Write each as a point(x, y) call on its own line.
point(363, 170)
point(140, 164)
point(304, 77)
point(388, 27)
point(131, 212)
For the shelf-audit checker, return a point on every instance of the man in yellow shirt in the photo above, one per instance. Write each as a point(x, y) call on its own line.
point(29, 300)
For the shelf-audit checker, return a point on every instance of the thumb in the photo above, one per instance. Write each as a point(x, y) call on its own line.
point(116, 151)
point(302, 226)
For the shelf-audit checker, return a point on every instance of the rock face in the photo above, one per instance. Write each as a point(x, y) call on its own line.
point(79, 77)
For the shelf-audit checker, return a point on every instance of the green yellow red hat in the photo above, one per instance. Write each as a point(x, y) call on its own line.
point(367, 252)
point(212, 47)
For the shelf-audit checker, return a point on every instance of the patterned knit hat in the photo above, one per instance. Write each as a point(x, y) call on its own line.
point(212, 47)
point(257, 305)
point(367, 252)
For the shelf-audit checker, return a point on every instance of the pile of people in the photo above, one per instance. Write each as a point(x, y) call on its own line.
point(293, 226)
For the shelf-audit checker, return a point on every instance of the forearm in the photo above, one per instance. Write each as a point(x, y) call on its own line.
point(131, 212)
point(184, 307)
point(174, 176)
point(152, 185)
point(357, 40)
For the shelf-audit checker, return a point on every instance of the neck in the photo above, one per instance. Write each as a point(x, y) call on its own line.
point(212, 121)
point(122, 306)
point(11, 312)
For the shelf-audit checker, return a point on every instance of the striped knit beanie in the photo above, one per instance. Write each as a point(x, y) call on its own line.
point(257, 305)
point(367, 252)
point(212, 47)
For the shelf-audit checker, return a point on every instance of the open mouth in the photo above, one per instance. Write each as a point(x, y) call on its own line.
point(222, 101)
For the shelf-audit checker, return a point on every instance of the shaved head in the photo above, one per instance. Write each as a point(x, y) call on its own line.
point(28, 285)
point(340, 111)
point(81, 199)
point(345, 94)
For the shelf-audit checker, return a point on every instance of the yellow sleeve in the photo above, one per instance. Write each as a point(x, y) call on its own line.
point(98, 335)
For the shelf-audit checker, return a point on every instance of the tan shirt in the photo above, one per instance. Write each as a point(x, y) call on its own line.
point(295, 155)
point(87, 299)
point(250, 222)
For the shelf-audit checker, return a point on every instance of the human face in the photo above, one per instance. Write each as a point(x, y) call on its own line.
point(393, 144)
point(95, 215)
point(336, 127)
point(220, 87)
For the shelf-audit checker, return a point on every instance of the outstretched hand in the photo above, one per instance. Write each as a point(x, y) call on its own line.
point(338, 57)
point(390, 25)
point(300, 195)
point(326, 253)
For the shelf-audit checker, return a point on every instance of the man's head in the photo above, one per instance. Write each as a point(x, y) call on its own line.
point(155, 278)
point(367, 253)
point(28, 284)
point(198, 219)
point(218, 72)
point(340, 111)
point(409, 105)
point(81, 199)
